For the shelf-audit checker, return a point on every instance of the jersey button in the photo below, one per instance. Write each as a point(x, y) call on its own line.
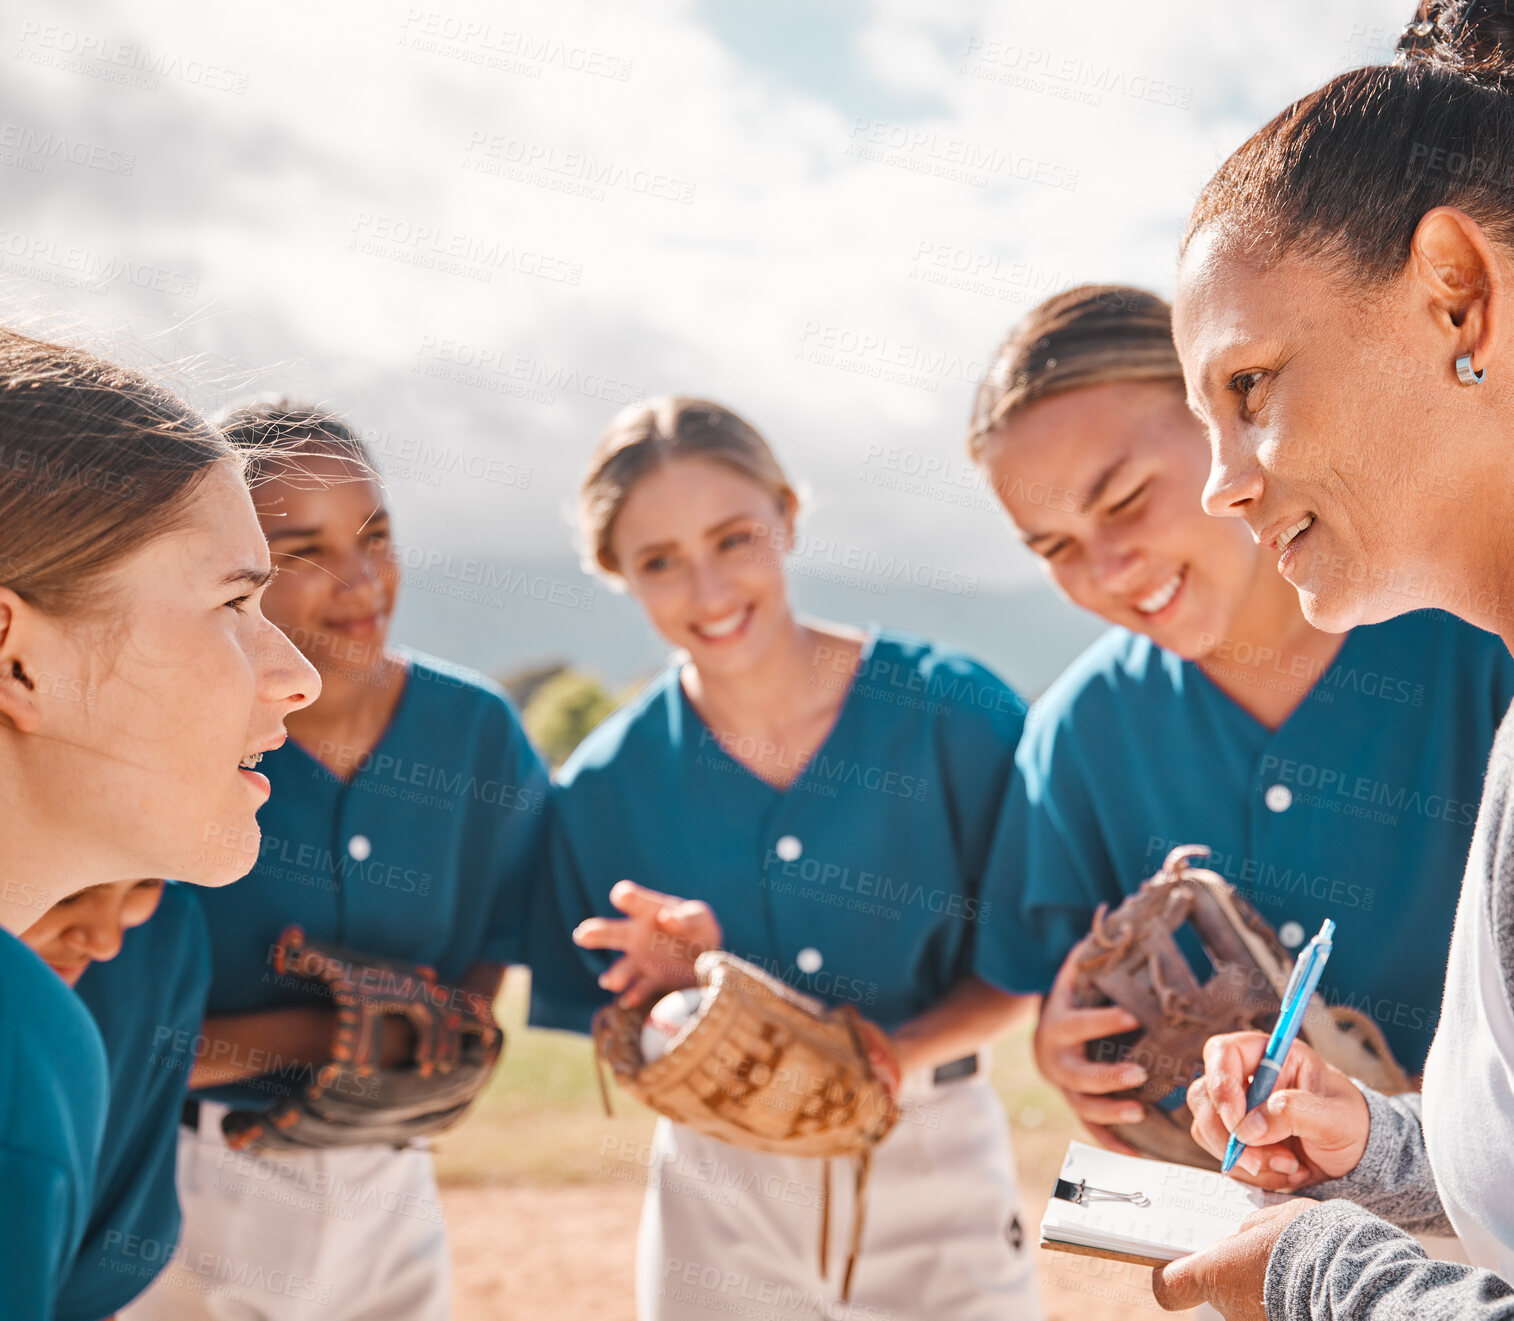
point(809, 959)
point(1291, 934)
point(1279, 797)
point(359, 847)
point(789, 848)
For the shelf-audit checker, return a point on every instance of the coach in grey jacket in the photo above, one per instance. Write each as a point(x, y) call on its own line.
point(1345, 320)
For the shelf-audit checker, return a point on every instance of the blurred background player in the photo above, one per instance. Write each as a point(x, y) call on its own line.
point(139, 957)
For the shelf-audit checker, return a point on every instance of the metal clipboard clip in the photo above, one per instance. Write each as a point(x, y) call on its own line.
point(1080, 1194)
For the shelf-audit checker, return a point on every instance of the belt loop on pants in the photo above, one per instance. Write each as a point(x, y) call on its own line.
point(953, 1069)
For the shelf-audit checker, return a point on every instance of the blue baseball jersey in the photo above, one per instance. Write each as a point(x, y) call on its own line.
point(428, 854)
point(149, 1002)
point(858, 884)
point(1359, 807)
point(53, 1096)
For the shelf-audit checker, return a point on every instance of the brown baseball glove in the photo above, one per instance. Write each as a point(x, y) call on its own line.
point(1131, 958)
point(762, 1066)
point(353, 1099)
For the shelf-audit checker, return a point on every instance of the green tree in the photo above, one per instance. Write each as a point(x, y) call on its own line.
point(562, 711)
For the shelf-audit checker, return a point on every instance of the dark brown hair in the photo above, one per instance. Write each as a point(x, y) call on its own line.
point(643, 437)
point(96, 461)
point(272, 434)
point(1346, 173)
point(1091, 335)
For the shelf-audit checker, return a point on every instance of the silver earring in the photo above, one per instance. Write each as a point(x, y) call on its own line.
point(1464, 372)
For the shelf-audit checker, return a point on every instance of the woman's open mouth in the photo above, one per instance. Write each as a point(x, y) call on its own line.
point(364, 626)
point(1161, 598)
point(255, 778)
point(1289, 540)
point(1289, 535)
point(725, 629)
point(70, 972)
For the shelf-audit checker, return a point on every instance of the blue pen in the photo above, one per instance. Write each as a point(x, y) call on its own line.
point(1306, 974)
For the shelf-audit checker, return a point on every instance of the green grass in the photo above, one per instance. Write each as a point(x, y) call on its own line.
point(541, 1120)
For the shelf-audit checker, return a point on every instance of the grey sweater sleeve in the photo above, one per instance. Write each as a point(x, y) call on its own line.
point(1393, 1177)
point(1337, 1262)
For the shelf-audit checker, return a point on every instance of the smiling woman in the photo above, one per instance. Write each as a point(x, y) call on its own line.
point(406, 825)
point(1329, 326)
point(1343, 316)
point(1213, 667)
point(775, 774)
point(137, 674)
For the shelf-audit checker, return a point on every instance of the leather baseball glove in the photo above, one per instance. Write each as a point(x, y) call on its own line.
point(1131, 958)
point(762, 1066)
point(353, 1099)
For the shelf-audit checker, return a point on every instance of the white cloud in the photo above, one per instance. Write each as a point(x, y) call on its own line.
point(680, 216)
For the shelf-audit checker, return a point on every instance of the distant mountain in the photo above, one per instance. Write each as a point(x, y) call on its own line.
point(503, 617)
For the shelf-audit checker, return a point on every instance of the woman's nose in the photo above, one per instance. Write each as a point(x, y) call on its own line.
point(100, 940)
point(711, 586)
point(1117, 565)
point(286, 678)
point(1235, 479)
point(359, 572)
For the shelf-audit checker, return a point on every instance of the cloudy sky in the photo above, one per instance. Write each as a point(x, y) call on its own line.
point(480, 229)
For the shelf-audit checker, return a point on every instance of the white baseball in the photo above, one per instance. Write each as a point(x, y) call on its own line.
point(667, 1020)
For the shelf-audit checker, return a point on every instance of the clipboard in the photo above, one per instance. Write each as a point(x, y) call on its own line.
point(1146, 1212)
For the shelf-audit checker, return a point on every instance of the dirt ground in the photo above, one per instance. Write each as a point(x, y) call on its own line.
point(565, 1253)
point(543, 1222)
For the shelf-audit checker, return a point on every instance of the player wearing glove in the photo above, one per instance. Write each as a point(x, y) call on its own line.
point(758, 1065)
point(1133, 959)
point(363, 1096)
point(821, 800)
point(1330, 775)
point(403, 837)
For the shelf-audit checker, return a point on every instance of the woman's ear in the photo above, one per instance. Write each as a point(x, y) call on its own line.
point(788, 514)
point(18, 687)
point(1463, 281)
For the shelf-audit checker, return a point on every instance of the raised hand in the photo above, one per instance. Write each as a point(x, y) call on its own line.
point(659, 938)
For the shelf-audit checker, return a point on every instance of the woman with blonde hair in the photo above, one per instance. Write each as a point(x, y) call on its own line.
point(783, 776)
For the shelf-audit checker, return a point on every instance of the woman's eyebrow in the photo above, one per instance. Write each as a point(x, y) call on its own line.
point(1101, 483)
point(252, 577)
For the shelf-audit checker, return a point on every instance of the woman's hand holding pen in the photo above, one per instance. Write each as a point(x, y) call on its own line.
point(1313, 1127)
point(659, 938)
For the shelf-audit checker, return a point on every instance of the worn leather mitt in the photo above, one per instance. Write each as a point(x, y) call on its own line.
point(354, 1099)
point(1131, 958)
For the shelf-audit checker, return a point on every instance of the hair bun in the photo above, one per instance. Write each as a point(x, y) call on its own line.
point(1473, 38)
